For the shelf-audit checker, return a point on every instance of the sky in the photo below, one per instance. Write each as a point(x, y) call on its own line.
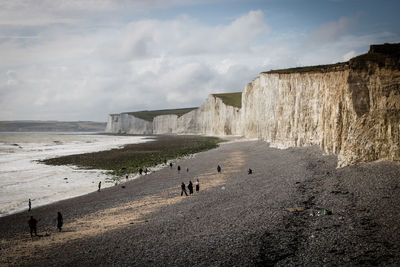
point(81, 60)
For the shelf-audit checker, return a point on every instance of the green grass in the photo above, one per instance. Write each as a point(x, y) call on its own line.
point(231, 99)
point(149, 115)
point(132, 157)
point(317, 68)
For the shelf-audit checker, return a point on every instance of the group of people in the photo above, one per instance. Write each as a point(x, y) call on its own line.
point(190, 187)
point(32, 223)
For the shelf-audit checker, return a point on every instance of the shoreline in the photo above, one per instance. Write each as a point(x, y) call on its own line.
point(149, 223)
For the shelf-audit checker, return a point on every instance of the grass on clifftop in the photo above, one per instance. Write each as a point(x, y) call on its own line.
point(132, 157)
point(149, 115)
point(231, 99)
point(317, 68)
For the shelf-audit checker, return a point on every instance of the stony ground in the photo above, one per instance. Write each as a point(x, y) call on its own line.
point(273, 217)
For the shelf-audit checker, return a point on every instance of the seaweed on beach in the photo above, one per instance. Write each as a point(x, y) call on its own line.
point(134, 156)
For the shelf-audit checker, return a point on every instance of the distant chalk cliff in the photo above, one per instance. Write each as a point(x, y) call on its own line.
point(351, 109)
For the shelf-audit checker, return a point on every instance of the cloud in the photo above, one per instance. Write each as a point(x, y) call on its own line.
point(72, 74)
point(77, 62)
point(332, 31)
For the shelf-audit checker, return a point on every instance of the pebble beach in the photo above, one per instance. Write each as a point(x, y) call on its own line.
point(296, 208)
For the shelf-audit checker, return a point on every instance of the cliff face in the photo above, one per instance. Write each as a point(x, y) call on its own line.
point(126, 123)
point(351, 109)
point(298, 109)
point(374, 89)
point(214, 117)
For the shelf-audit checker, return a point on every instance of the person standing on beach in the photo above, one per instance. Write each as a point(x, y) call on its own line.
point(183, 187)
point(29, 205)
point(219, 169)
point(179, 169)
point(59, 221)
point(32, 222)
point(99, 186)
point(197, 185)
point(170, 165)
point(140, 171)
point(127, 176)
point(250, 171)
point(187, 169)
point(190, 187)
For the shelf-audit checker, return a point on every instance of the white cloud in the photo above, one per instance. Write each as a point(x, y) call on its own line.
point(332, 31)
point(82, 71)
point(70, 74)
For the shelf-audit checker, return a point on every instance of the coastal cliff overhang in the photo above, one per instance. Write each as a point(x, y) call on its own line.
point(149, 115)
point(231, 99)
point(387, 55)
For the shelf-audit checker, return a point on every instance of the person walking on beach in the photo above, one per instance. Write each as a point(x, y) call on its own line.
point(140, 171)
point(190, 187)
point(179, 169)
point(183, 187)
point(170, 165)
point(59, 221)
point(32, 222)
point(29, 205)
point(127, 176)
point(219, 169)
point(99, 186)
point(197, 185)
point(250, 171)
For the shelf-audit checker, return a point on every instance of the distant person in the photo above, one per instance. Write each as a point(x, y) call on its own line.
point(187, 169)
point(99, 186)
point(250, 171)
point(140, 171)
point(32, 222)
point(190, 187)
point(197, 185)
point(165, 161)
point(179, 168)
point(183, 187)
point(146, 171)
point(29, 205)
point(170, 165)
point(219, 169)
point(126, 176)
point(59, 221)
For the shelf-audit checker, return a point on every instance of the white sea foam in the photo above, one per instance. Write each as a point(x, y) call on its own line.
point(21, 177)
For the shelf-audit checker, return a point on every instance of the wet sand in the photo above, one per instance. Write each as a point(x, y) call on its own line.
point(272, 217)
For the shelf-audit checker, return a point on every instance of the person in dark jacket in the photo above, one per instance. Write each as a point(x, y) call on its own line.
point(183, 187)
point(32, 222)
point(190, 187)
point(59, 221)
point(179, 168)
point(219, 169)
point(197, 185)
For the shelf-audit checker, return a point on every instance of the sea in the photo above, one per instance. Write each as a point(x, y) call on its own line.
point(22, 177)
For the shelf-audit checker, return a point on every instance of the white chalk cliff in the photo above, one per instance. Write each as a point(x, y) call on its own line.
point(351, 109)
